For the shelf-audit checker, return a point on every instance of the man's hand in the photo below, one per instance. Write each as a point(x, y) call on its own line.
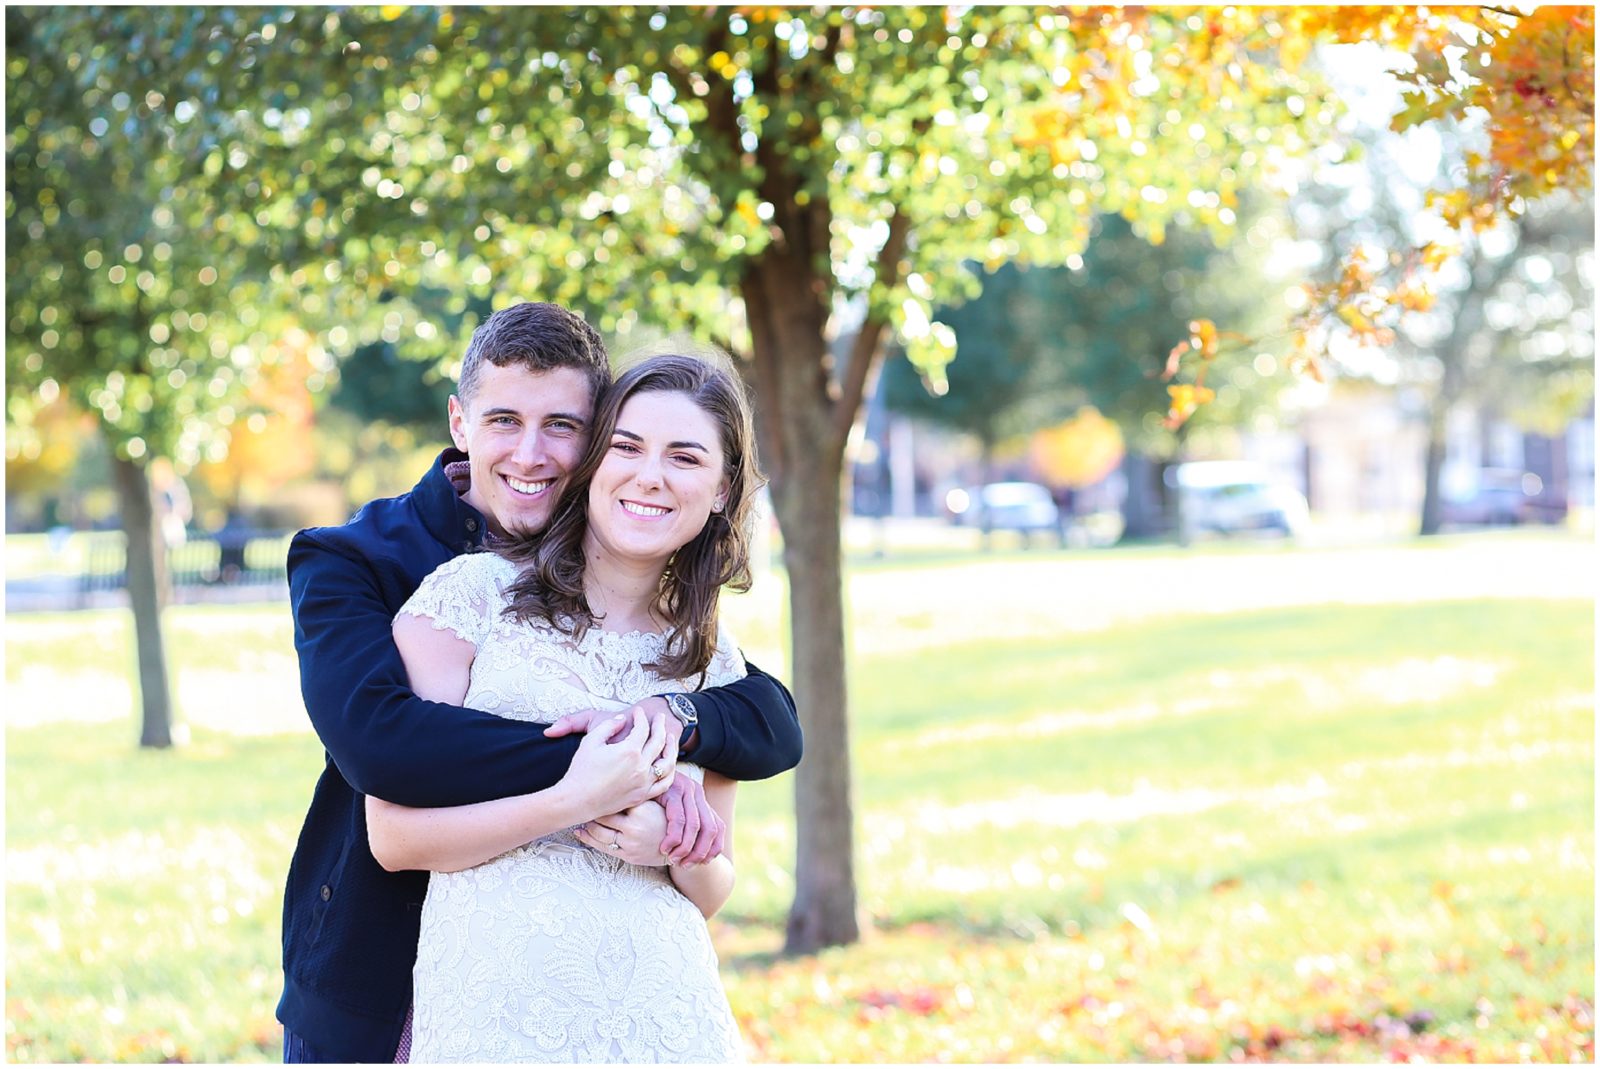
point(584, 722)
point(609, 777)
point(695, 833)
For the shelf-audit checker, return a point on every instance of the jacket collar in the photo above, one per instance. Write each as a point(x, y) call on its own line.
point(448, 518)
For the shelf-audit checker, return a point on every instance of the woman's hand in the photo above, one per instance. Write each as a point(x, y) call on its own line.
point(609, 777)
point(634, 834)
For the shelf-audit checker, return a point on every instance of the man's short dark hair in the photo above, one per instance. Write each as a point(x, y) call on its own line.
point(540, 337)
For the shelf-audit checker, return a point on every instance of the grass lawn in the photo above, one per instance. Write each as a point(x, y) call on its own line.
point(1326, 832)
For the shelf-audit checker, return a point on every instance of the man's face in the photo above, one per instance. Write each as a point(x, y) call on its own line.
point(523, 432)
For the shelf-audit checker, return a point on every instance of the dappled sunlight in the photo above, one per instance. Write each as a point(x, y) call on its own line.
point(1072, 810)
point(241, 703)
point(39, 694)
point(244, 702)
point(227, 864)
point(1021, 599)
point(1409, 681)
point(1416, 679)
point(1516, 753)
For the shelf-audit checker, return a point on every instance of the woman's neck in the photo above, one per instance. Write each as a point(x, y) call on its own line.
point(622, 594)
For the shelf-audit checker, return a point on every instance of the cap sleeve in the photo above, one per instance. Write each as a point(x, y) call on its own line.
point(463, 595)
point(727, 662)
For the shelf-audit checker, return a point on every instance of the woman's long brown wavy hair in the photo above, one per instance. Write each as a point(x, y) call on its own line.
point(550, 585)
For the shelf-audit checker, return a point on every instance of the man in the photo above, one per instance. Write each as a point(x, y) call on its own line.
point(528, 385)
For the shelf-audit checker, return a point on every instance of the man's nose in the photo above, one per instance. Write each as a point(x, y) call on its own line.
point(530, 451)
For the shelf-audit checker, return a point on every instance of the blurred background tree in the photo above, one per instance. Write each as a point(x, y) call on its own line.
point(1505, 322)
point(1040, 344)
point(138, 292)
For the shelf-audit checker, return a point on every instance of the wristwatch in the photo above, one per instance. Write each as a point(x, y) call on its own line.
point(683, 709)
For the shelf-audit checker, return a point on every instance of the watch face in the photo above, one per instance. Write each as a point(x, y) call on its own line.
point(684, 708)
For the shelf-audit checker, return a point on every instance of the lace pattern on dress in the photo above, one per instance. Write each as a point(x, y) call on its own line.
point(554, 952)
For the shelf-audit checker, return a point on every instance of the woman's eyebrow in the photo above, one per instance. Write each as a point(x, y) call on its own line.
point(670, 445)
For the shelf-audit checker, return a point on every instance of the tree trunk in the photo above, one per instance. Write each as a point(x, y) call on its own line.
point(1433, 465)
point(1141, 507)
point(147, 594)
point(824, 909)
point(804, 425)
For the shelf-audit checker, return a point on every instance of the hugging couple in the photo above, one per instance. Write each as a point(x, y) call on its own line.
point(509, 855)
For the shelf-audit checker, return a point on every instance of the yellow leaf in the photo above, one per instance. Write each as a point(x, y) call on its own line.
point(1354, 318)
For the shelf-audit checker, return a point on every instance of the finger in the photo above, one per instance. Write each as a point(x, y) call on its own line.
point(711, 828)
point(691, 832)
point(672, 803)
point(640, 733)
point(564, 726)
point(721, 844)
point(655, 746)
point(705, 842)
point(608, 823)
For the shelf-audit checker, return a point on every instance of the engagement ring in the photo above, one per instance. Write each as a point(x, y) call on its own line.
point(659, 769)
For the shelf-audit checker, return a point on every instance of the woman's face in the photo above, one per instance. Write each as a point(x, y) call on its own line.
point(660, 477)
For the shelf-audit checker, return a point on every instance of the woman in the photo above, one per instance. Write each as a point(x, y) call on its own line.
point(546, 938)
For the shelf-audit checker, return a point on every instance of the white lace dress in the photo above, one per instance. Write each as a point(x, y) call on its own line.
point(554, 952)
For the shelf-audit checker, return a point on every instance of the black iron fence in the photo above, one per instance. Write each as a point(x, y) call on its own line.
point(226, 558)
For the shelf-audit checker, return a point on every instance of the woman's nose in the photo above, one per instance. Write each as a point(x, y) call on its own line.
point(649, 472)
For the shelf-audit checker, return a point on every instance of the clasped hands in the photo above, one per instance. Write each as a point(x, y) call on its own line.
point(627, 762)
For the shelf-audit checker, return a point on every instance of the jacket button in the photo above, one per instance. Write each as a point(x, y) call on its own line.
point(327, 892)
point(472, 524)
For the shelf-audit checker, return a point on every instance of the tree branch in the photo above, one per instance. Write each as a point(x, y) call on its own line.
point(864, 350)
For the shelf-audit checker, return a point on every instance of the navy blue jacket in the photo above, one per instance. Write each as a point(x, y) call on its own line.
point(350, 928)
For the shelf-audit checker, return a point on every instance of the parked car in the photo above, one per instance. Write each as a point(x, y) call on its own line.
point(1232, 497)
point(1010, 506)
point(1501, 496)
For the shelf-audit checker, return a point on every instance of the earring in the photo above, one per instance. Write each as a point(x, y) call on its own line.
point(716, 506)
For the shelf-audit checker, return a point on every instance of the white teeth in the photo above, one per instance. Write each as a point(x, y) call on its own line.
point(644, 510)
point(527, 488)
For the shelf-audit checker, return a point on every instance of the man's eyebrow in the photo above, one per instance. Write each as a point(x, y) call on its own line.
point(670, 445)
point(490, 413)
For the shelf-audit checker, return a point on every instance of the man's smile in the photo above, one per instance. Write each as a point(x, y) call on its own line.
point(527, 488)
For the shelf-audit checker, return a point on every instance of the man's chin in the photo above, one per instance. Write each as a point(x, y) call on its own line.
point(520, 527)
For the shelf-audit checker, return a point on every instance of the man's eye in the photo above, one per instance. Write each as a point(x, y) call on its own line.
point(564, 426)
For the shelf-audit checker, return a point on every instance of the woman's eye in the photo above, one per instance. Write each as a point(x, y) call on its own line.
point(624, 447)
point(687, 459)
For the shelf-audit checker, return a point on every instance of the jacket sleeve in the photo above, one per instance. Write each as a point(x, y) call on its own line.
point(385, 740)
point(748, 729)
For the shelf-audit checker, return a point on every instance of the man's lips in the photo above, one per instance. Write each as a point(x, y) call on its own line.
point(528, 489)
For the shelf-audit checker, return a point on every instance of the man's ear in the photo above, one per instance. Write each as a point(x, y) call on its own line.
point(458, 423)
